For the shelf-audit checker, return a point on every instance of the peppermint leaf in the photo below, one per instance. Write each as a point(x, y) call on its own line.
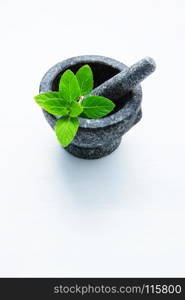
point(69, 86)
point(85, 79)
point(75, 109)
point(96, 106)
point(53, 103)
point(66, 129)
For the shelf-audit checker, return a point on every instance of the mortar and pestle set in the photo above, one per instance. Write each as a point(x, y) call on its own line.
point(112, 79)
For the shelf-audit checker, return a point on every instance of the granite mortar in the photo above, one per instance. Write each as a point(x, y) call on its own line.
point(97, 138)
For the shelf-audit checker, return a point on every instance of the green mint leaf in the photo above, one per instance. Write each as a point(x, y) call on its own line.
point(97, 106)
point(66, 129)
point(85, 79)
point(53, 103)
point(69, 86)
point(82, 115)
point(75, 109)
point(50, 95)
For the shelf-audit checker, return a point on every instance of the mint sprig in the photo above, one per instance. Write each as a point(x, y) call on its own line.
point(71, 101)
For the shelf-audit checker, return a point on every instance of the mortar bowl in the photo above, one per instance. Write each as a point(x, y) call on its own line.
point(97, 137)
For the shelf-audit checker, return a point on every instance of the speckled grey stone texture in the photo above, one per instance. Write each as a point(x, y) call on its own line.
point(126, 80)
point(97, 137)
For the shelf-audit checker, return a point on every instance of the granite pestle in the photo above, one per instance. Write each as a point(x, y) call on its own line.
point(126, 80)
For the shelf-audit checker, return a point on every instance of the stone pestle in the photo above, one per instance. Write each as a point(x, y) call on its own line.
point(125, 81)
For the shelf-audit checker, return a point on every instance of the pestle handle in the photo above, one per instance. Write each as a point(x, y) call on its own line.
point(125, 81)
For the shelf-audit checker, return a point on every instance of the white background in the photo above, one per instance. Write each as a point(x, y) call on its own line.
point(123, 215)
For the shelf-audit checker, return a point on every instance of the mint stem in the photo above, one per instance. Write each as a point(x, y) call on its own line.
point(81, 99)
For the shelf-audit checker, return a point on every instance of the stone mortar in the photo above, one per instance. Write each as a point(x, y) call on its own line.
point(97, 137)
